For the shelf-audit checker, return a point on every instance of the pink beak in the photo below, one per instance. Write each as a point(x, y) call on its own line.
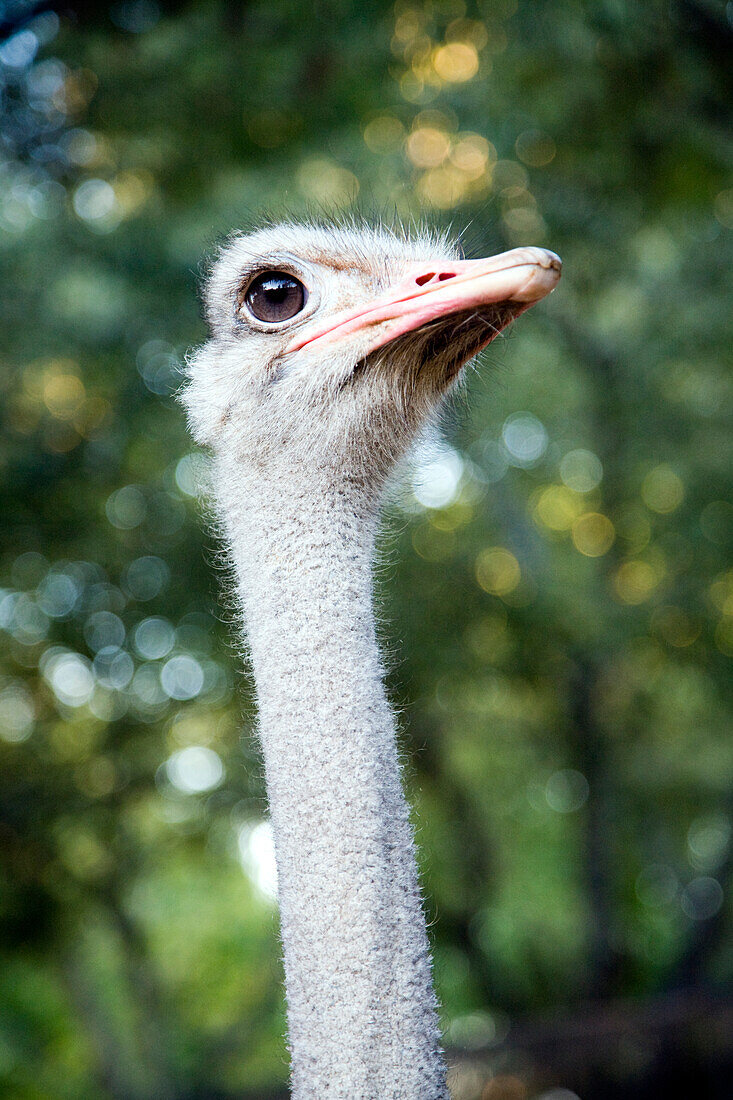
point(517, 278)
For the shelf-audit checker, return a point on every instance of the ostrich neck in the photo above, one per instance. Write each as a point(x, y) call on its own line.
point(361, 1008)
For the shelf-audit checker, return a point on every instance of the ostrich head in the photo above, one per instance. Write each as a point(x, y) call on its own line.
point(332, 345)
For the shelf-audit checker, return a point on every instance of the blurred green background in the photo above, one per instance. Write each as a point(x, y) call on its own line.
point(556, 600)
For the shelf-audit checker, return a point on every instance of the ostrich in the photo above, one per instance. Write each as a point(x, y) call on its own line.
point(330, 348)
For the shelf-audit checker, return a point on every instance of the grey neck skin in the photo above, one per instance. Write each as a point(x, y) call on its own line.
point(361, 1007)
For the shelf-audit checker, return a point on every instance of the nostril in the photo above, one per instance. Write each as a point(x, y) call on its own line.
point(431, 277)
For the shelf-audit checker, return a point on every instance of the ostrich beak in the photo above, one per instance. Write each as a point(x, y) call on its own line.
point(516, 279)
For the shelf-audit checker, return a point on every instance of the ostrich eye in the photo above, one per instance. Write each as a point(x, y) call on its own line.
point(275, 296)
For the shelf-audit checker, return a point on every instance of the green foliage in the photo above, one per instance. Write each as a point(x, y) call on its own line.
point(558, 596)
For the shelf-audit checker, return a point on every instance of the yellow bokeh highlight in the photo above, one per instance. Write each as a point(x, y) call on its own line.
point(723, 207)
point(488, 638)
point(456, 515)
point(593, 534)
point(407, 25)
point(472, 154)
point(442, 187)
point(497, 571)
point(433, 544)
point(195, 728)
point(662, 490)
point(524, 223)
point(412, 87)
point(558, 508)
point(516, 197)
point(133, 190)
point(419, 57)
point(384, 134)
point(63, 393)
point(96, 778)
point(73, 742)
point(61, 438)
point(635, 581)
point(456, 62)
point(444, 119)
point(721, 593)
point(508, 174)
point(81, 851)
point(428, 147)
point(534, 148)
point(326, 182)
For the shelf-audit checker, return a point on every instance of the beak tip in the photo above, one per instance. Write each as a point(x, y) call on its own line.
point(548, 260)
point(543, 275)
